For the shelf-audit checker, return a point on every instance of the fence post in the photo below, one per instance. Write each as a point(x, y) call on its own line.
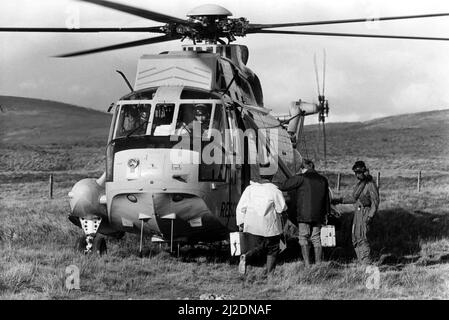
point(51, 186)
point(338, 181)
point(419, 180)
point(378, 180)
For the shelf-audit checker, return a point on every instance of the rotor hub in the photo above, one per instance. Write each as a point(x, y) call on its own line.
point(209, 10)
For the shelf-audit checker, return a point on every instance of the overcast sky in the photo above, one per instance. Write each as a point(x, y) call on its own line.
point(365, 78)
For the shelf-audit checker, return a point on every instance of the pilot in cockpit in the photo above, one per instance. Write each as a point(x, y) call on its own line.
point(131, 119)
point(200, 116)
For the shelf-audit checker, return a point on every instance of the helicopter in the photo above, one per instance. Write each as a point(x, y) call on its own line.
point(156, 180)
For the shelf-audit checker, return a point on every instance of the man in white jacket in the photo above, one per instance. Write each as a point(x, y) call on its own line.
point(259, 214)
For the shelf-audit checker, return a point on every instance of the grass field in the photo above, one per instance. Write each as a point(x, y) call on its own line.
point(37, 241)
point(410, 231)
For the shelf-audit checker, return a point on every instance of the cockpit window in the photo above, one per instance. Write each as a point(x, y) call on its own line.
point(163, 118)
point(133, 119)
point(191, 114)
point(166, 119)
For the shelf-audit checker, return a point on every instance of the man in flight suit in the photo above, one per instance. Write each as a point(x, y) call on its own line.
point(365, 198)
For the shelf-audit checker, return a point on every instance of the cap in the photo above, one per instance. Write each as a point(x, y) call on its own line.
point(359, 166)
point(200, 110)
point(308, 164)
point(267, 171)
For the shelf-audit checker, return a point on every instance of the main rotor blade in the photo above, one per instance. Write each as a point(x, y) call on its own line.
point(324, 70)
point(136, 29)
point(151, 15)
point(122, 46)
point(356, 35)
point(316, 74)
point(255, 27)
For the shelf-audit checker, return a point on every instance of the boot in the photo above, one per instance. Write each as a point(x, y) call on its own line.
point(318, 254)
point(357, 254)
point(364, 253)
point(271, 263)
point(242, 264)
point(305, 250)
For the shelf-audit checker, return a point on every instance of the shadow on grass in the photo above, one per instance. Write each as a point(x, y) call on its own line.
point(190, 253)
point(401, 232)
point(396, 234)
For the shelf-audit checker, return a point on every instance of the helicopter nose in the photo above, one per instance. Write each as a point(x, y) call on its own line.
point(84, 199)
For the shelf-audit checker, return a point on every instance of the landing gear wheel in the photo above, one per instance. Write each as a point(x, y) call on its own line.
point(99, 245)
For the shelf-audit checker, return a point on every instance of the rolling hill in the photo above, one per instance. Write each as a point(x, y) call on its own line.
point(40, 122)
point(47, 135)
point(416, 141)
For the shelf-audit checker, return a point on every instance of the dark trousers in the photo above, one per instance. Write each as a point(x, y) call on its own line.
point(268, 246)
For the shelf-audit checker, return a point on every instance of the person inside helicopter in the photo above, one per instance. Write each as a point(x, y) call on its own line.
point(200, 116)
point(134, 119)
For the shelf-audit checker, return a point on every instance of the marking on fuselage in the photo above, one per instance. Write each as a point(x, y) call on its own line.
point(143, 71)
point(228, 209)
point(157, 72)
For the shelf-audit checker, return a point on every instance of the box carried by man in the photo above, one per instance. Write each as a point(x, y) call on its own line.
point(328, 236)
point(234, 242)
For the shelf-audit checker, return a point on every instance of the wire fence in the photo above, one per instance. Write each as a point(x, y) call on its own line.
point(418, 177)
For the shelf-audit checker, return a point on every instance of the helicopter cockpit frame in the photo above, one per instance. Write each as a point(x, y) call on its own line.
point(169, 123)
point(152, 118)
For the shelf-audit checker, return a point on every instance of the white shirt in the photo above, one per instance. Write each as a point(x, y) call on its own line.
point(259, 209)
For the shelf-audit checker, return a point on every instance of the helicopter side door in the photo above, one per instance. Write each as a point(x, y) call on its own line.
point(234, 164)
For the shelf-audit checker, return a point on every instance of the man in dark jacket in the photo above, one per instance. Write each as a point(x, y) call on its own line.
point(313, 206)
point(365, 198)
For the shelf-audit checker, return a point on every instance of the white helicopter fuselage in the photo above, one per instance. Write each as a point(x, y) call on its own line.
point(153, 177)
